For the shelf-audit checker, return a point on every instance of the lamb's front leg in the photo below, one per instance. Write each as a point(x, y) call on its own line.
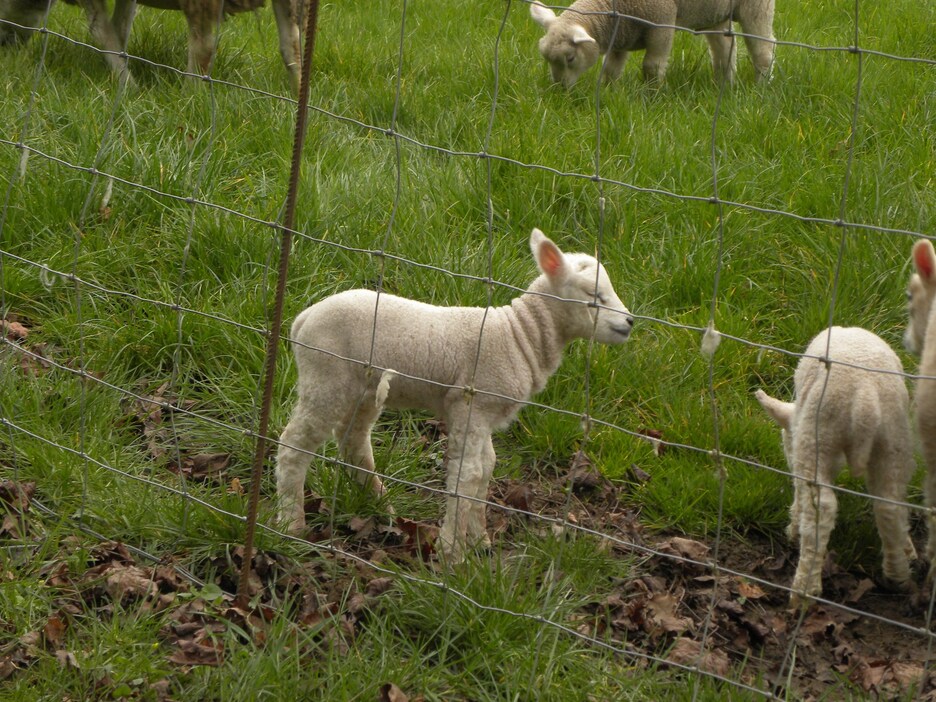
point(477, 520)
point(465, 476)
point(300, 437)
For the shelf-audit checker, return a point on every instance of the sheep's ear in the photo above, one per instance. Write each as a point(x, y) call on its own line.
point(924, 259)
point(781, 412)
point(543, 15)
point(548, 257)
point(580, 36)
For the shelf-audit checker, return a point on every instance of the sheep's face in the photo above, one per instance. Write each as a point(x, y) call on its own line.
point(594, 307)
point(570, 52)
point(567, 47)
point(920, 294)
point(24, 12)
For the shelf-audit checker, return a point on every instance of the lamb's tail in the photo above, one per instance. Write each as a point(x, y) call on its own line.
point(383, 387)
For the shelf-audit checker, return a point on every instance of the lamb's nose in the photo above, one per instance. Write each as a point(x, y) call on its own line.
point(630, 320)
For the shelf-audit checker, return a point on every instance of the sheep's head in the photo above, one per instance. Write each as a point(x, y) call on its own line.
point(920, 294)
point(596, 309)
point(782, 413)
point(567, 47)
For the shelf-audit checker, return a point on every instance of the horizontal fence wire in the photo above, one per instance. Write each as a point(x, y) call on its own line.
point(85, 289)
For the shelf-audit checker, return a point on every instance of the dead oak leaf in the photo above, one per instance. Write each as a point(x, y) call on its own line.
point(663, 611)
point(14, 331)
point(688, 652)
point(391, 693)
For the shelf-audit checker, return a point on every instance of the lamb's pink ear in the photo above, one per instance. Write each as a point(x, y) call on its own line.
point(781, 412)
point(924, 259)
point(548, 256)
point(543, 15)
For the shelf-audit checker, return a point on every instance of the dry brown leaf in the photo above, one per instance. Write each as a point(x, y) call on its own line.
point(685, 548)
point(125, 582)
point(520, 496)
point(663, 609)
point(419, 537)
point(67, 659)
point(859, 591)
point(54, 631)
point(378, 586)
point(749, 591)
point(689, 652)
point(391, 693)
point(14, 331)
point(190, 652)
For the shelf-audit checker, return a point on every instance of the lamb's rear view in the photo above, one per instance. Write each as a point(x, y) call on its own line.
point(856, 417)
point(357, 353)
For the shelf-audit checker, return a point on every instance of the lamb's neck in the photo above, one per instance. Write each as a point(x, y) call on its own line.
point(536, 331)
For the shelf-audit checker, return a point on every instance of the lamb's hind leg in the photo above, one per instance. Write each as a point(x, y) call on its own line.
point(724, 50)
point(304, 433)
point(817, 518)
point(287, 22)
point(892, 520)
point(355, 444)
point(106, 37)
point(204, 17)
point(756, 20)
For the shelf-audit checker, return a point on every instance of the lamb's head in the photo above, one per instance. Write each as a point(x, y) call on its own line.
point(567, 47)
point(580, 277)
point(920, 294)
point(782, 413)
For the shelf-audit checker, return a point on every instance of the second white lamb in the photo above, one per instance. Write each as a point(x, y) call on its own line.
point(845, 414)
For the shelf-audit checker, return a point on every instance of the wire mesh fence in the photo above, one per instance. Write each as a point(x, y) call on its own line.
point(175, 415)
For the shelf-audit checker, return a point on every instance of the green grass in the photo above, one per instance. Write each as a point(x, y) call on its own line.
point(782, 145)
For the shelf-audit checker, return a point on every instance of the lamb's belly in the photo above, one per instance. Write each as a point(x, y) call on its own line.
point(703, 15)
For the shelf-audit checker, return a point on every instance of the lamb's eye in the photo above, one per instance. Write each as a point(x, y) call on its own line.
point(570, 59)
point(909, 296)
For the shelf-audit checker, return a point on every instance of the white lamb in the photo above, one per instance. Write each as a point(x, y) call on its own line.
point(859, 418)
point(575, 39)
point(920, 339)
point(203, 16)
point(429, 357)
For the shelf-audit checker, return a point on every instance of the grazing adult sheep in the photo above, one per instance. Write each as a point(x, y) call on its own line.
point(357, 353)
point(203, 16)
point(588, 29)
point(859, 418)
point(920, 339)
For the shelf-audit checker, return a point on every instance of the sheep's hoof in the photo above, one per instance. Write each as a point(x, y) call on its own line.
point(801, 601)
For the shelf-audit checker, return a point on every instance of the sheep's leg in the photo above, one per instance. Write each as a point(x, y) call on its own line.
point(102, 29)
point(465, 476)
point(659, 44)
point(793, 528)
point(613, 65)
point(356, 446)
point(303, 434)
point(817, 518)
point(724, 50)
point(892, 520)
point(287, 23)
point(926, 430)
point(756, 20)
point(203, 20)
point(122, 19)
point(477, 518)
point(929, 491)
